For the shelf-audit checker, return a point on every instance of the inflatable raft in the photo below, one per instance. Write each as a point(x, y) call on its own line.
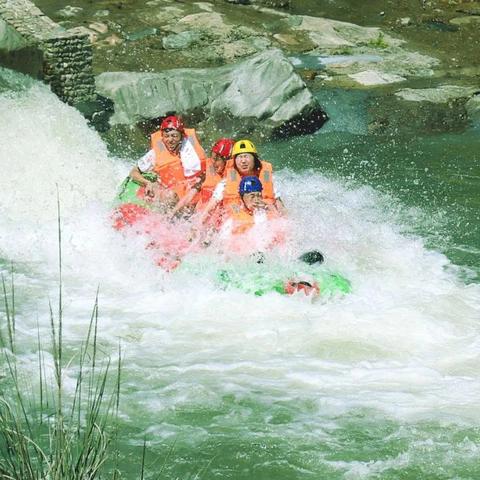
point(285, 277)
point(305, 276)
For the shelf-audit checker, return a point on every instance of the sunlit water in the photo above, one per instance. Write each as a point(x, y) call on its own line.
point(382, 383)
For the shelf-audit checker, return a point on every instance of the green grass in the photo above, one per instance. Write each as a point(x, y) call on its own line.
point(44, 433)
point(378, 42)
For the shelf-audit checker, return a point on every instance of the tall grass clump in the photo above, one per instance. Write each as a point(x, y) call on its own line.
point(46, 434)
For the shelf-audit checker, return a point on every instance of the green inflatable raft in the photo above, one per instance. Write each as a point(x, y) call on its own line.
point(261, 278)
point(129, 189)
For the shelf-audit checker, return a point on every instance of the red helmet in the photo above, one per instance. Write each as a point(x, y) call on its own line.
point(173, 122)
point(223, 147)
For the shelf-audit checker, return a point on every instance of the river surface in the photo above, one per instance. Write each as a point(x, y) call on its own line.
point(381, 384)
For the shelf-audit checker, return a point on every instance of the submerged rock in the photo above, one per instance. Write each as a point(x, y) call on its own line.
point(473, 109)
point(446, 108)
point(263, 91)
point(441, 94)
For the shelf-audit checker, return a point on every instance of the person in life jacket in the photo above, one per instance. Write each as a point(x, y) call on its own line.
point(252, 225)
point(245, 162)
point(215, 169)
point(178, 160)
point(253, 208)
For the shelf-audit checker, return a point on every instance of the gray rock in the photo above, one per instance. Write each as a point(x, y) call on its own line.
point(10, 39)
point(141, 34)
point(262, 90)
point(473, 110)
point(102, 13)
point(181, 40)
point(441, 94)
point(265, 3)
point(272, 3)
point(68, 11)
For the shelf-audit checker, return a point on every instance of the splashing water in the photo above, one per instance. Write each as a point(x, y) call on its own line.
point(364, 386)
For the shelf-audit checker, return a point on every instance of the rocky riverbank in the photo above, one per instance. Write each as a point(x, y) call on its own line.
point(417, 61)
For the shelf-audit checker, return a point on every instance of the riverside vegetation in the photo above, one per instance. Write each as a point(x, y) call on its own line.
point(46, 433)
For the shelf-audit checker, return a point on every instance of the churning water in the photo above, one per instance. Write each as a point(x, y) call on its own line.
point(382, 383)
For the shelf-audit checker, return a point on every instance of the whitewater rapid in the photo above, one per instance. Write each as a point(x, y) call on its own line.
point(405, 342)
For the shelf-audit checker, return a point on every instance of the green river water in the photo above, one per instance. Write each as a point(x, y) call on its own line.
point(381, 384)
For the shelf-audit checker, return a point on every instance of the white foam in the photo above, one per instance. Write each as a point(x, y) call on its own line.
point(405, 341)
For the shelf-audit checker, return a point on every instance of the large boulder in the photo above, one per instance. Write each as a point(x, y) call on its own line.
point(260, 94)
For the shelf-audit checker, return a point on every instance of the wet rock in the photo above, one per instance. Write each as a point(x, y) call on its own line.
point(465, 20)
point(369, 67)
point(439, 25)
point(441, 94)
point(212, 22)
point(469, 11)
point(473, 110)
point(242, 48)
point(179, 41)
point(355, 46)
point(141, 34)
point(68, 11)
point(213, 39)
point(265, 3)
point(287, 39)
point(207, 7)
point(102, 13)
point(404, 21)
point(113, 40)
point(262, 90)
point(372, 77)
point(10, 39)
point(98, 27)
point(272, 3)
point(97, 111)
point(329, 34)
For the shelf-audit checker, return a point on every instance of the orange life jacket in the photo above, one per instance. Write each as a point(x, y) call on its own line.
point(243, 220)
point(169, 167)
point(233, 178)
point(212, 178)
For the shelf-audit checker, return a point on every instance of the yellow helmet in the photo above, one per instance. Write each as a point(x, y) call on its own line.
point(243, 146)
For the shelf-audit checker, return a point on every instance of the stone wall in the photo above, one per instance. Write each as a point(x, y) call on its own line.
point(32, 43)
